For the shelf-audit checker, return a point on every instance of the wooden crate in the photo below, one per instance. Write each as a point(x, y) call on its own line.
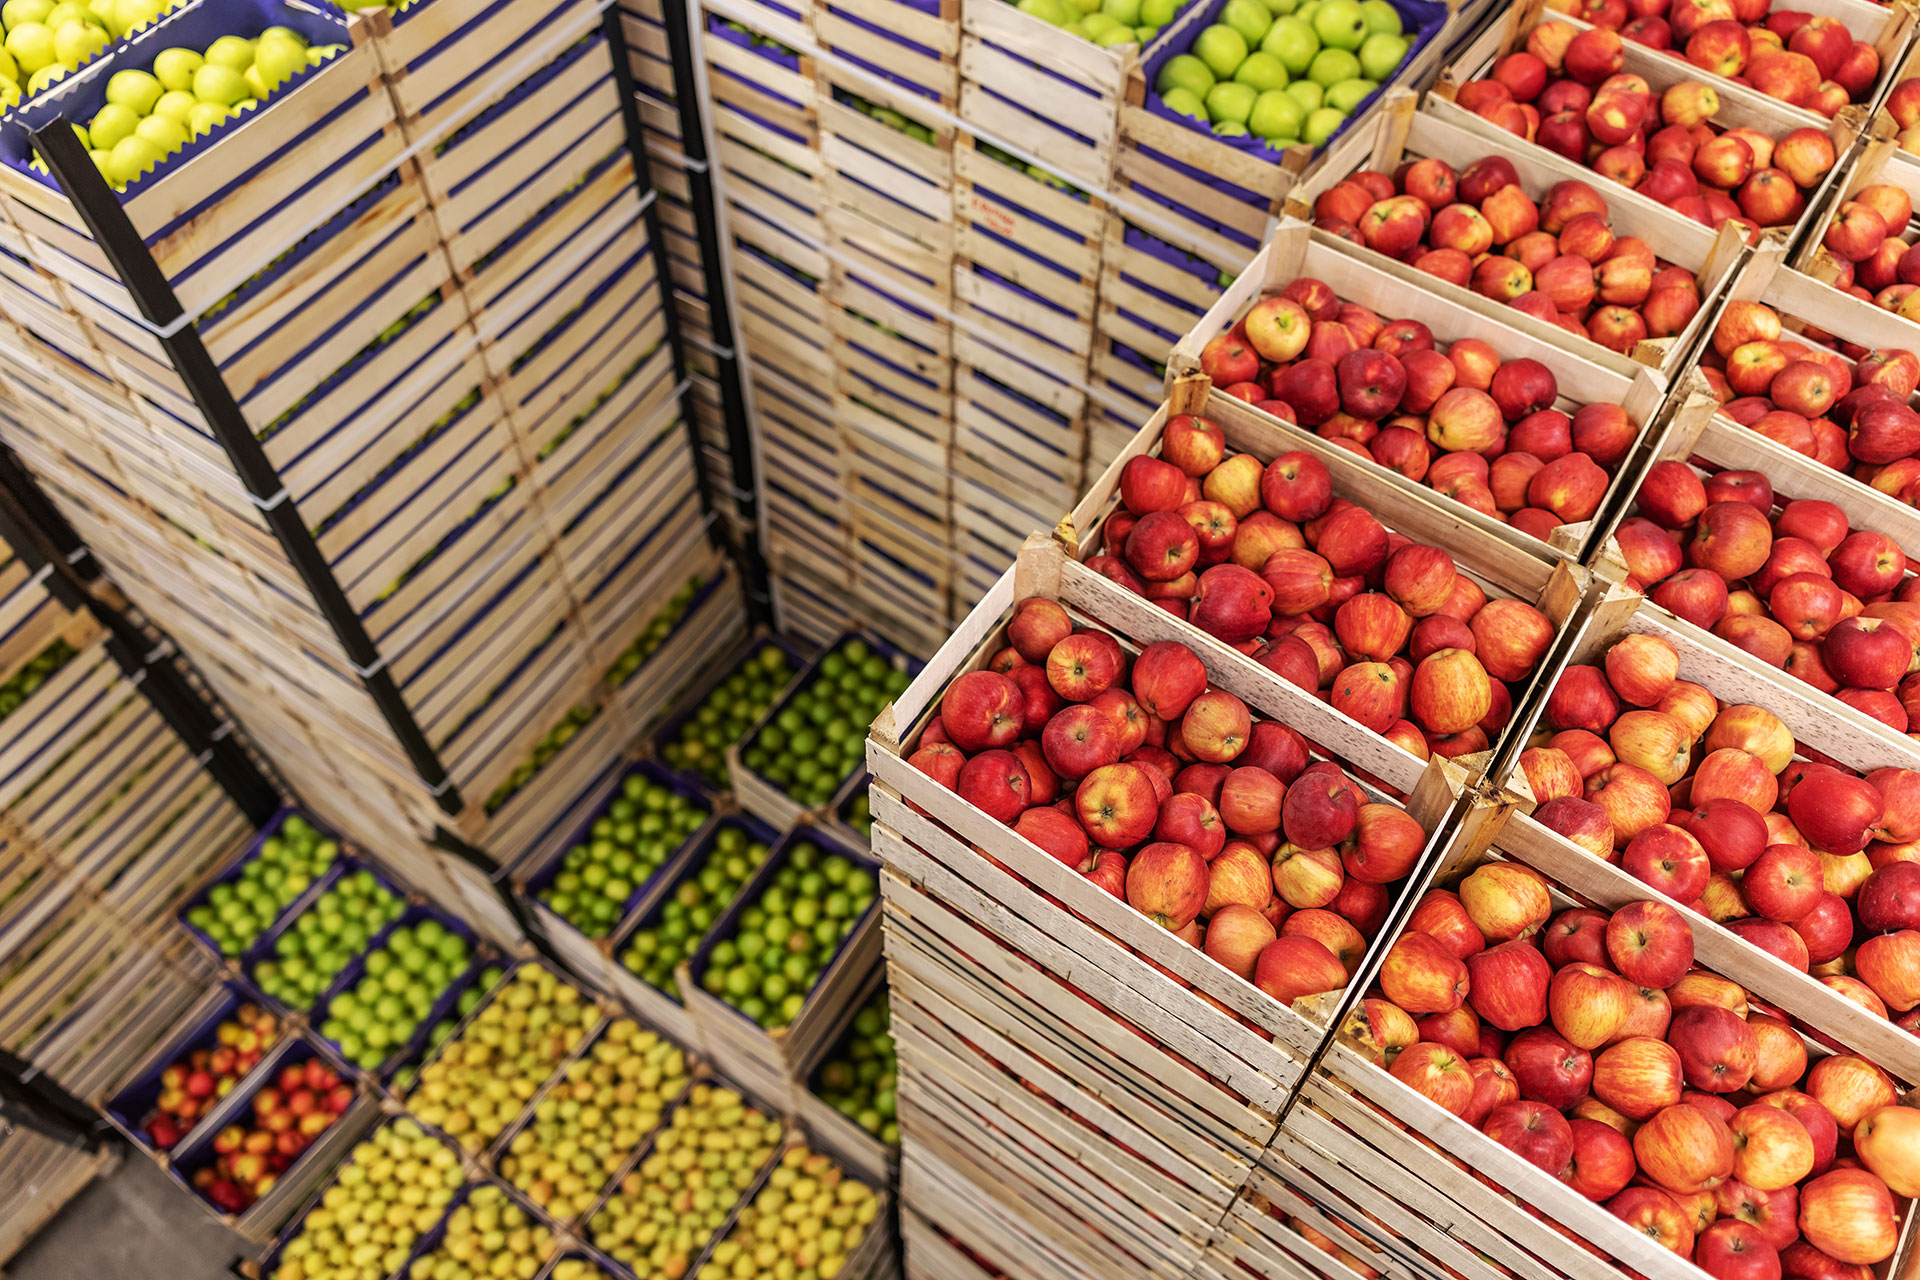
point(1032, 453)
point(769, 87)
point(1298, 250)
point(1221, 193)
point(849, 1144)
point(773, 192)
point(912, 44)
point(936, 1170)
point(1556, 589)
point(1404, 134)
point(446, 61)
point(1050, 910)
point(1151, 293)
point(1739, 106)
point(932, 1255)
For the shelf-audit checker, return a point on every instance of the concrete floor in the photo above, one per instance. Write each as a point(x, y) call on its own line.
point(134, 1222)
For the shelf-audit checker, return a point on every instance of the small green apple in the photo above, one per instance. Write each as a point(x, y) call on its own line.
point(176, 104)
point(70, 11)
point(86, 140)
point(1145, 35)
point(1081, 8)
point(31, 46)
point(1222, 49)
point(46, 77)
point(1231, 101)
point(1321, 125)
point(1331, 66)
point(99, 159)
point(9, 69)
point(163, 132)
point(1124, 12)
point(1292, 41)
point(129, 14)
point(1249, 17)
point(235, 52)
point(1184, 71)
point(256, 83)
point(1382, 18)
point(204, 116)
point(112, 123)
point(1158, 13)
point(1229, 129)
point(1382, 54)
point(217, 83)
point(1305, 92)
point(135, 89)
point(9, 93)
point(1116, 36)
point(1096, 25)
point(1340, 24)
point(1306, 11)
point(16, 13)
point(132, 156)
point(1182, 101)
point(174, 68)
point(75, 41)
point(1262, 71)
point(1349, 94)
point(1280, 8)
point(1051, 12)
point(1276, 115)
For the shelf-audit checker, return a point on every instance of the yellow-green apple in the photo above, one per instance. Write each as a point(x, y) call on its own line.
point(1650, 944)
point(1684, 1150)
point(1549, 1068)
point(982, 709)
point(1717, 1048)
point(1421, 976)
point(1507, 985)
point(996, 783)
point(1238, 875)
point(1506, 900)
point(1588, 1004)
point(1654, 1214)
point(1437, 1073)
point(1215, 726)
point(1533, 1131)
point(1887, 1140)
point(1290, 969)
point(1848, 1214)
point(1441, 915)
point(1638, 1076)
point(1771, 1149)
point(1380, 1030)
point(1236, 935)
point(1306, 877)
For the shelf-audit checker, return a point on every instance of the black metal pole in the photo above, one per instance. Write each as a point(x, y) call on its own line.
point(496, 878)
point(40, 512)
point(30, 1099)
point(59, 148)
point(676, 16)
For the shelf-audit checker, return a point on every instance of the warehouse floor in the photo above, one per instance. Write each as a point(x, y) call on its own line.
point(134, 1222)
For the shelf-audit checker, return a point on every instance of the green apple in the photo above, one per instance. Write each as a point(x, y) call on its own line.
point(69, 11)
point(86, 140)
point(9, 93)
point(1222, 48)
point(1051, 12)
point(174, 68)
point(1184, 71)
point(1341, 24)
point(15, 13)
point(103, 10)
point(1184, 102)
point(135, 89)
point(1381, 55)
point(1081, 8)
point(1145, 35)
point(1230, 101)
point(75, 41)
point(1249, 17)
point(1124, 12)
point(1321, 125)
point(1292, 41)
point(99, 159)
point(1229, 129)
point(284, 33)
point(46, 77)
point(128, 14)
point(1348, 94)
point(256, 83)
point(1262, 71)
point(1118, 35)
point(132, 156)
point(217, 83)
point(204, 116)
point(163, 132)
point(31, 46)
point(9, 69)
point(1382, 18)
point(1305, 92)
point(176, 104)
point(1276, 115)
point(1158, 13)
point(1281, 8)
point(1306, 11)
point(1095, 25)
point(233, 51)
point(1331, 66)
point(112, 123)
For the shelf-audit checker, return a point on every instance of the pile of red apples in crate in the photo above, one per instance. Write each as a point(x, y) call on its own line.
point(1567, 92)
point(1483, 430)
point(1866, 239)
point(1721, 810)
point(1590, 1046)
point(302, 1102)
point(1556, 259)
point(193, 1084)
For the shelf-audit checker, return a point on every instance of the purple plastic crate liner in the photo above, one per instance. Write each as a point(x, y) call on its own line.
point(1423, 18)
point(728, 925)
point(721, 28)
point(581, 832)
point(232, 873)
point(193, 27)
point(547, 212)
point(756, 831)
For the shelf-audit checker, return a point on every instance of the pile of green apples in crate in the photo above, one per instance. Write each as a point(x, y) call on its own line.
point(402, 982)
point(46, 42)
point(858, 1081)
point(654, 634)
point(150, 114)
point(488, 1237)
point(1283, 73)
point(731, 709)
point(789, 935)
point(807, 1220)
point(643, 826)
point(1105, 22)
point(816, 741)
point(325, 938)
point(236, 912)
point(652, 954)
point(25, 682)
point(391, 1191)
